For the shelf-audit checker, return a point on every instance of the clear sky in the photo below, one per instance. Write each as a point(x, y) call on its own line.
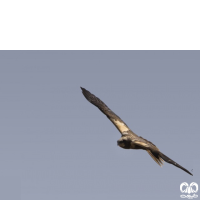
point(54, 144)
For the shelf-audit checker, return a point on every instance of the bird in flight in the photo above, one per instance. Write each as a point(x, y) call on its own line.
point(129, 139)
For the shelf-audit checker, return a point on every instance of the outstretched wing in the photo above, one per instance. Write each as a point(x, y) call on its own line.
point(160, 158)
point(120, 125)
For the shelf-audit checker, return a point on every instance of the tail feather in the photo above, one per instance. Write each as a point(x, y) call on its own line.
point(156, 158)
point(160, 157)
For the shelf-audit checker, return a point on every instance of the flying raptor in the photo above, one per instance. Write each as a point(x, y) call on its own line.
point(129, 139)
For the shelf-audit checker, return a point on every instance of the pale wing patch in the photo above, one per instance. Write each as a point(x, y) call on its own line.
point(120, 125)
point(141, 143)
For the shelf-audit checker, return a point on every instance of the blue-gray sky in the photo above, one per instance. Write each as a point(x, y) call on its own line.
point(54, 144)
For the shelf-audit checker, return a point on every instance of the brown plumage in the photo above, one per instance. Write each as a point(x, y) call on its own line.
point(129, 139)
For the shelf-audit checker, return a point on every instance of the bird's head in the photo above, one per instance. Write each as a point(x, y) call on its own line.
point(120, 143)
point(123, 142)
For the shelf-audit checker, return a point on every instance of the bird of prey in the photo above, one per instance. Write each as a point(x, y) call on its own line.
point(129, 139)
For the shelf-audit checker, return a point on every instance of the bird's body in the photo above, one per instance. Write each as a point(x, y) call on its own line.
point(129, 139)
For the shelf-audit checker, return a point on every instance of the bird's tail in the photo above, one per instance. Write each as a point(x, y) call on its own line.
point(160, 157)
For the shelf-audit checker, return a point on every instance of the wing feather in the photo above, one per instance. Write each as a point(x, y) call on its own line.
point(116, 120)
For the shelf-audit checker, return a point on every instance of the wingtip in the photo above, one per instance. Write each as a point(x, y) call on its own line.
point(83, 89)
